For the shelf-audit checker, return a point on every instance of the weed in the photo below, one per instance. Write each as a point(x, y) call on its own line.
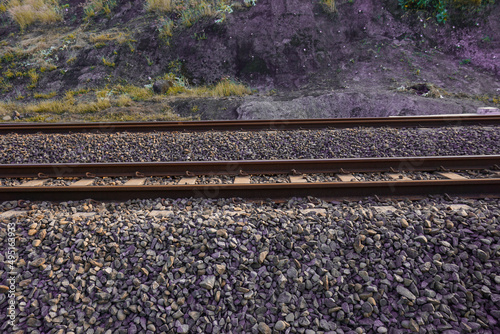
point(4, 86)
point(227, 87)
point(33, 78)
point(329, 6)
point(9, 74)
point(465, 62)
point(162, 6)
point(44, 96)
point(199, 37)
point(113, 35)
point(53, 107)
point(71, 60)
point(27, 12)
point(107, 63)
point(166, 29)
point(486, 39)
point(150, 63)
point(123, 100)
point(93, 8)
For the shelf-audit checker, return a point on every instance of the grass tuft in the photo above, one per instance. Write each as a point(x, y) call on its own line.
point(228, 87)
point(27, 12)
point(161, 6)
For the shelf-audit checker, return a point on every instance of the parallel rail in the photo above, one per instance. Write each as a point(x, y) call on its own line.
point(253, 125)
point(397, 188)
point(242, 167)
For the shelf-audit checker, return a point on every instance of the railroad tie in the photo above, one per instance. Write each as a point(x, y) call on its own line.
point(242, 180)
point(297, 179)
point(188, 180)
point(135, 182)
point(347, 177)
point(32, 183)
point(82, 183)
point(451, 176)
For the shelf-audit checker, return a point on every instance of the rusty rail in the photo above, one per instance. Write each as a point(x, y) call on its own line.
point(396, 188)
point(253, 125)
point(239, 167)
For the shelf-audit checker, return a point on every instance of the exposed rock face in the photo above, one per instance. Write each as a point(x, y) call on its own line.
point(374, 103)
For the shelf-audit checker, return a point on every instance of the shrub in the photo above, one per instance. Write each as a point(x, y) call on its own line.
point(27, 12)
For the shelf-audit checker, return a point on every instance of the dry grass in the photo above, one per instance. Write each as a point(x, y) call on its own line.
point(161, 6)
point(112, 35)
point(27, 12)
point(228, 87)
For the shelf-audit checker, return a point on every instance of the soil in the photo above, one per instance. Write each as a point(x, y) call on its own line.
point(370, 58)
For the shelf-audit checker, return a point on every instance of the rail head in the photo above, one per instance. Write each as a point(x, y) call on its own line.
point(252, 125)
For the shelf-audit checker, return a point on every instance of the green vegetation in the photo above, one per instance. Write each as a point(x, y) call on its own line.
point(329, 6)
point(445, 10)
point(98, 7)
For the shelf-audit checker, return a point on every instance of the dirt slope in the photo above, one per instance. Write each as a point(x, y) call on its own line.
point(368, 59)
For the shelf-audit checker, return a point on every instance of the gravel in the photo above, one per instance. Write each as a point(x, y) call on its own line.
point(228, 266)
point(259, 145)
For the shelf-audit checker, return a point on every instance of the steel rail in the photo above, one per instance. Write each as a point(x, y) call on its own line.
point(252, 125)
point(242, 167)
point(330, 190)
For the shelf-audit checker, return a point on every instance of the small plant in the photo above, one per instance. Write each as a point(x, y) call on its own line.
point(329, 6)
point(166, 30)
point(162, 6)
point(200, 37)
point(9, 74)
point(107, 63)
point(71, 60)
point(150, 63)
point(44, 96)
point(123, 100)
point(33, 78)
point(465, 62)
point(486, 39)
point(227, 87)
point(4, 86)
point(93, 8)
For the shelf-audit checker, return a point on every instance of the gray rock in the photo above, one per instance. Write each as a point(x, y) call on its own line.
point(280, 325)
point(405, 292)
point(183, 329)
point(482, 255)
point(208, 283)
point(285, 297)
point(162, 86)
point(264, 328)
point(422, 239)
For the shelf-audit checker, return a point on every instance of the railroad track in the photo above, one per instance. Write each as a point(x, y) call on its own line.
point(253, 125)
point(470, 176)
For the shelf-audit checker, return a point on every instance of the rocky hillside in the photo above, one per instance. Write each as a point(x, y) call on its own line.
point(100, 60)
